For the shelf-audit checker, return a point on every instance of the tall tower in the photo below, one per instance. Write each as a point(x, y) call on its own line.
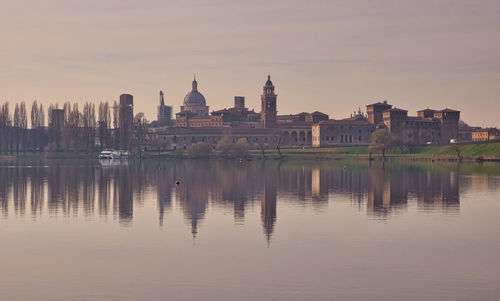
point(164, 112)
point(375, 111)
point(268, 107)
point(126, 120)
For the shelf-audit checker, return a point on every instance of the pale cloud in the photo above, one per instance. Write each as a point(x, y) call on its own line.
point(331, 56)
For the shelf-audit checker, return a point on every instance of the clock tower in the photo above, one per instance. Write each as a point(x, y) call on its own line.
point(268, 108)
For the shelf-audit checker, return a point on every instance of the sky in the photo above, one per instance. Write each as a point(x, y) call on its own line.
point(332, 56)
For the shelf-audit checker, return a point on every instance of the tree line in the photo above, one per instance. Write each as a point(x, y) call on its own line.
point(79, 130)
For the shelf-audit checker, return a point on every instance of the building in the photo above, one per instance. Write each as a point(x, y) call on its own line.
point(375, 111)
point(56, 125)
point(449, 124)
point(190, 119)
point(126, 120)
point(485, 134)
point(195, 102)
point(356, 130)
point(464, 132)
point(412, 129)
point(303, 117)
point(164, 112)
point(239, 102)
point(429, 126)
point(268, 105)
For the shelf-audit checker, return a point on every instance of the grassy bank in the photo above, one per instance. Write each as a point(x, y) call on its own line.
point(472, 151)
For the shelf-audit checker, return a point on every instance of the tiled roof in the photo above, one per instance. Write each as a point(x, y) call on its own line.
point(449, 111)
point(345, 122)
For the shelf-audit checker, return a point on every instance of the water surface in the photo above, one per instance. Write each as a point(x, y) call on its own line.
point(81, 230)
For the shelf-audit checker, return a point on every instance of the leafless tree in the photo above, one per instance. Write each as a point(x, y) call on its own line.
point(5, 128)
point(116, 122)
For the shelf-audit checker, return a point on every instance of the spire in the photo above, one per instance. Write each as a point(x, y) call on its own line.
point(195, 84)
point(162, 101)
point(269, 82)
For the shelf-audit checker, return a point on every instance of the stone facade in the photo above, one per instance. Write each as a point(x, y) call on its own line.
point(345, 132)
point(485, 134)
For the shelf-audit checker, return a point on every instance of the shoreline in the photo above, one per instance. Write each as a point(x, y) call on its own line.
point(472, 152)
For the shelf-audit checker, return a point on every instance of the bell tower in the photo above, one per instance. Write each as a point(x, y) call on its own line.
point(268, 107)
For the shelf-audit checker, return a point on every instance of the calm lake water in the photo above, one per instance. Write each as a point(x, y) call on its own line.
point(79, 230)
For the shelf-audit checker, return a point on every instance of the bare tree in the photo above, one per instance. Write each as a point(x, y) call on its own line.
point(104, 124)
point(35, 124)
point(5, 128)
point(23, 122)
point(116, 122)
point(88, 120)
point(141, 126)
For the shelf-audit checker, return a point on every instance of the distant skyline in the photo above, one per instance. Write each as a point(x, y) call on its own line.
point(331, 56)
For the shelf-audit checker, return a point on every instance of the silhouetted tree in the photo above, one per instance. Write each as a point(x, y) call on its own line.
point(5, 128)
point(381, 140)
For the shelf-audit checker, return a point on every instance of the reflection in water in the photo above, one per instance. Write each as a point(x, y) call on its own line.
point(73, 189)
point(268, 202)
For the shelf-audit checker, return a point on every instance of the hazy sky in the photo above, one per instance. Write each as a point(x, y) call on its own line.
point(331, 56)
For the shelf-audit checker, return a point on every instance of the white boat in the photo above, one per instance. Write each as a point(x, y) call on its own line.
point(119, 154)
point(113, 154)
point(106, 154)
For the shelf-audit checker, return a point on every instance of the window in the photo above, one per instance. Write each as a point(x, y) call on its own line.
point(350, 138)
point(342, 138)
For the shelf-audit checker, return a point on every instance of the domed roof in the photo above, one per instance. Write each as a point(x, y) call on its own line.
point(269, 82)
point(194, 97)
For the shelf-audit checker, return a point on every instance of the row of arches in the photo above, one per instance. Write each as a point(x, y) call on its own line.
point(297, 137)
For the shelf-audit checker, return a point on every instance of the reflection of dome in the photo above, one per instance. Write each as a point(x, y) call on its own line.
point(194, 97)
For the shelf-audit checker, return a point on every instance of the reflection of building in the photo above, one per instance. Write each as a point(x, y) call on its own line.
point(164, 193)
point(388, 191)
point(233, 187)
point(437, 190)
point(268, 208)
point(124, 196)
point(193, 194)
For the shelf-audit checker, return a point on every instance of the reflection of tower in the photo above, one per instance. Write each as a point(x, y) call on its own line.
point(193, 193)
point(125, 199)
point(194, 202)
point(437, 190)
point(268, 105)
point(164, 194)
point(388, 191)
point(315, 182)
point(268, 207)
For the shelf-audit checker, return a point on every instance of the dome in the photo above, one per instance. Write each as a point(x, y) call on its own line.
point(269, 82)
point(194, 97)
